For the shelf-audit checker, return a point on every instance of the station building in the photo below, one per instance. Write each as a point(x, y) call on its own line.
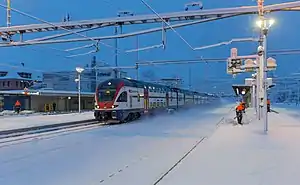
point(40, 91)
point(43, 100)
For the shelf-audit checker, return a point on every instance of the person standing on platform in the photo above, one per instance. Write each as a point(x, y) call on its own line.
point(54, 106)
point(17, 106)
point(239, 113)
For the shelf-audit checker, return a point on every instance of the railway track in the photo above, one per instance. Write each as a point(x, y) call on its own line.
point(44, 128)
point(18, 136)
point(22, 135)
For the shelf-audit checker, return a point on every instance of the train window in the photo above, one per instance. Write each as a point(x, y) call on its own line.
point(122, 97)
point(106, 95)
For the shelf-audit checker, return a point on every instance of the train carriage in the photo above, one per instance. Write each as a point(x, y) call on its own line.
point(124, 100)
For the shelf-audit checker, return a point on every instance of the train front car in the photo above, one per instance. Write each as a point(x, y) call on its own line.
point(106, 106)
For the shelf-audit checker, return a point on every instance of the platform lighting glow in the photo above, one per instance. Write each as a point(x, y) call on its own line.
point(259, 23)
point(109, 83)
point(269, 22)
point(243, 92)
point(79, 69)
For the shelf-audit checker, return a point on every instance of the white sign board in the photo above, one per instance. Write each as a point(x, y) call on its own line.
point(249, 81)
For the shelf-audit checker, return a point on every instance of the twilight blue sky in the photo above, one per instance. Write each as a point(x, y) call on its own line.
point(284, 35)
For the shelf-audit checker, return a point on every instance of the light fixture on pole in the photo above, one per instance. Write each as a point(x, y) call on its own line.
point(79, 71)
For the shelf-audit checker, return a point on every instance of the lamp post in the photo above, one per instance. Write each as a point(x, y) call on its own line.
point(79, 71)
point(264, 24)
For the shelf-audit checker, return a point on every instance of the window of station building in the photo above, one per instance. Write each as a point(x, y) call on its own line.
point(3, 73)
point(122, 97)
point(24, 75)
point(17, 83)
point(3, 84)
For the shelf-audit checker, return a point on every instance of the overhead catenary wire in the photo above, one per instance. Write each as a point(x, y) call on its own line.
point(30, 42)
point(186, 42)
point(228, 42)
point(70, 31)
point(36, 18)
point(46, 22)
point(145, 48)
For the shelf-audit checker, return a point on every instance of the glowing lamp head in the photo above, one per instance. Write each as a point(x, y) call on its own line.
point(79, 69)
point(271, 22)
point(259, 23)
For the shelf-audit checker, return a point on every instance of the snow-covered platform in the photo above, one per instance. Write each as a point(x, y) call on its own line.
point(17, 122)
point(245, 155)
point(135, 153)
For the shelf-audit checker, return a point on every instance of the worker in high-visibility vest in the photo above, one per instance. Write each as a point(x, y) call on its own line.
point(239, 113)
point(17, 106)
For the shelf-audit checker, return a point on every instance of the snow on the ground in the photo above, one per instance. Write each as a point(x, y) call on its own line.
point(135, 153)
point(15, 122)
point(245, 155)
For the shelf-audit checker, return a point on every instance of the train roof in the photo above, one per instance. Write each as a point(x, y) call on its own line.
point(142, 84)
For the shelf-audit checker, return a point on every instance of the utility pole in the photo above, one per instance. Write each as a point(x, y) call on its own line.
point(8, 13)
point(116, 52)
point(262, 53)
point(190, 78)
point(262, 62)
point(137, 57)
point(119, 14)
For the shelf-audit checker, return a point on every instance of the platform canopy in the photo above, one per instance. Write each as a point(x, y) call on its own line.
point(239, 89)
point(46, 93)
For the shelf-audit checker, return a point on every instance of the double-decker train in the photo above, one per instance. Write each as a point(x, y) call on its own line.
point(124, 100)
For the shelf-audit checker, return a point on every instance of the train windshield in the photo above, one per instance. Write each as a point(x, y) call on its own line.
point(106, 95)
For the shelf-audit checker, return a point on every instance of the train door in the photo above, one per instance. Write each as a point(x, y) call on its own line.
point(167, 99)
point(130, 101)
point(177, 99)
point(146, 99)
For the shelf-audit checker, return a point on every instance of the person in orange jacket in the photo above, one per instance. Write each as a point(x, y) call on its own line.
point(239, 113)
point(17, 106)
point(244, 106)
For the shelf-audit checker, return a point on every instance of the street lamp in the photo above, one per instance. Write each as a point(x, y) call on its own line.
point(264, 25)
point(79, 71)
